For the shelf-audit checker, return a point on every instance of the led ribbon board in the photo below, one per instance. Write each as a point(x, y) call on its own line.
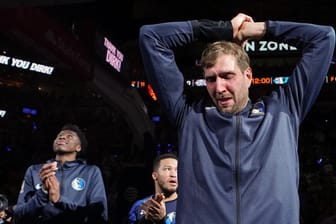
point(26, 65)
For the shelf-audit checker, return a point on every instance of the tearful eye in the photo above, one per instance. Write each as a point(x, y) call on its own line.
point(210, 79)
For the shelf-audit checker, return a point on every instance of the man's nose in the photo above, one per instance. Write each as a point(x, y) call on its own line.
point(173, 173)
point(220, 85)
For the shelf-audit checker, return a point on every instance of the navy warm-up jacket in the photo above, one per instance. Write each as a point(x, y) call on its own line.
point(83, 197)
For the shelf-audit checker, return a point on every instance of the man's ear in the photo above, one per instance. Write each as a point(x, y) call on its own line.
point(154, 175)
point(78, 148)
point(248, 74)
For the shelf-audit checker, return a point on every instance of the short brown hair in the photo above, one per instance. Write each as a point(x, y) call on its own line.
point(214, 50)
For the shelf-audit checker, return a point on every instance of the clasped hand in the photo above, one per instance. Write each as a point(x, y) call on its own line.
point(50, 183)
point(244, 28)
point(154, 208)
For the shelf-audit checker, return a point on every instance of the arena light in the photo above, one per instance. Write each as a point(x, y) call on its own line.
point(156, 118)
point(151, 92)
point(29, 111)
point(2, 113)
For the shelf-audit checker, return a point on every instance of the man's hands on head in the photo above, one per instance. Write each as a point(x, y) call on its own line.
point(252, 31)
point(244, 28)
point(237, 23)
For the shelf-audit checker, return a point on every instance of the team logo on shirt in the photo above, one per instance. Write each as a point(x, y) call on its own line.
point(38, 186)
point(170, 218)
point(258, 109)
point(78, 184)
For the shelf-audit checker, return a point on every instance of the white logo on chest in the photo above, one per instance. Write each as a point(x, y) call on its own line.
point(78, 184)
